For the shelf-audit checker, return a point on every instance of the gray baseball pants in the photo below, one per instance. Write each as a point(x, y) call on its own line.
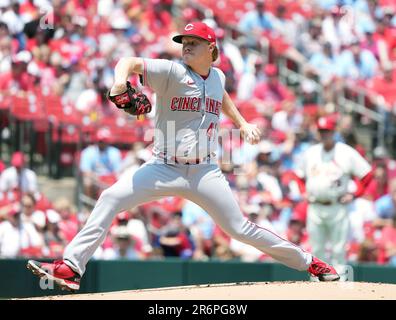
point(203, 184)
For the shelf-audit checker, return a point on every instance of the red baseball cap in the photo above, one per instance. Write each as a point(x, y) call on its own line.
point(199, 30)
point(103, 134)
point(124, 215)
point(14, 210)
point(18, 159)
point(271, 70)
point(326, 123)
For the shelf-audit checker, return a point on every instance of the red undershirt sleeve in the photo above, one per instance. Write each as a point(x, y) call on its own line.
point(363, 184)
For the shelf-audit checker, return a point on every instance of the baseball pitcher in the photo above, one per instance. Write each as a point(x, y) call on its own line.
point(190, 97)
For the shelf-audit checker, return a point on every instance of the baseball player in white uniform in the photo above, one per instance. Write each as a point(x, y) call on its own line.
point(190, 97)
point(327, 168)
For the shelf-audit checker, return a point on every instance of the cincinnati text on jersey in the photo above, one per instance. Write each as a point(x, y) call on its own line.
point(194, 104)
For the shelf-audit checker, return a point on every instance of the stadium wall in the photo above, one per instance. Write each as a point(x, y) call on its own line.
point(105, 276)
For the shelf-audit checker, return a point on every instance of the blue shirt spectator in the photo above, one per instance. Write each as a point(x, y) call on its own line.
point(328, 4)
point(357, 63)
point(257, 19)
point(101, 159)
point(325, 63)
point(101, 162)
point(385, 207)
point(194, 215)
point(291, 161)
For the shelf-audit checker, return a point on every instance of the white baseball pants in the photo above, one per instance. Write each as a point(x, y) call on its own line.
point(328, 228)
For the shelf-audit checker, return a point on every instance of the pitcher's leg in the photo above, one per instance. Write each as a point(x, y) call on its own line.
point(124, 194)
point(213, 194)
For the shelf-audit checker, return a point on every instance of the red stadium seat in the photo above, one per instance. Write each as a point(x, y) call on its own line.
point(248, 110)
point(68, 134)
point(5, 101)
point(26, 108)
point(58, 112)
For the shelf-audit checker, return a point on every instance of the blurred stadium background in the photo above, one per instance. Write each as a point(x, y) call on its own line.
point(320, 57)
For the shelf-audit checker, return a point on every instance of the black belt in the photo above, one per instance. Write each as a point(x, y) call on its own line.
point(179, 160)
point(187, 161)
point(323, 203)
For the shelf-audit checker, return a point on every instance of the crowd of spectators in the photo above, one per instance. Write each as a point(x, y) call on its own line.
point(68, 49)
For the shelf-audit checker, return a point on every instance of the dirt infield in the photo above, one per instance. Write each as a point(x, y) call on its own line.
point(252, 291)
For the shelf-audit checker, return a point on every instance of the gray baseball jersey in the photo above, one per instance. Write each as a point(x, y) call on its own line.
point(188, 108)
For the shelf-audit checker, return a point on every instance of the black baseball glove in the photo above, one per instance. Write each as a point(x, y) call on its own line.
point(131, 101)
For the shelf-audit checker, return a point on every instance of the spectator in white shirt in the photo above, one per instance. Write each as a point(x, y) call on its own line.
point(30, 214)
point(288, 119)
point(249, 79)
point(138, 230)
point(11, 17)
point(336, 28)
point(18, 177)
point(124, 246)
point(18, 238)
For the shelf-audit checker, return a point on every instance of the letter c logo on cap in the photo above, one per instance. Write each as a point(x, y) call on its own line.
point(189, 27)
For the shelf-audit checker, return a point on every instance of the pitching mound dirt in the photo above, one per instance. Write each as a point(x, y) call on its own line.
point(252, 291)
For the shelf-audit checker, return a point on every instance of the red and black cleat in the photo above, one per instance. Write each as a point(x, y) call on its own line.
point(322, 270)
point(58, 271)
